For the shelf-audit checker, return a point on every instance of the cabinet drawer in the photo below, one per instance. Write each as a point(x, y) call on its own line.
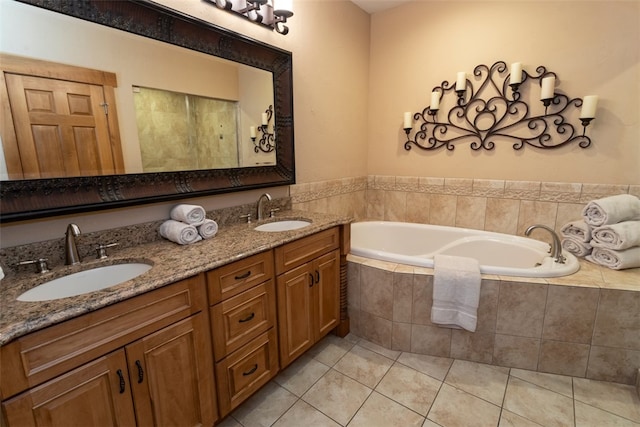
point(42, 355)
point(237, 320)
point(231, 279)
point(243, 372)
point(303, 250)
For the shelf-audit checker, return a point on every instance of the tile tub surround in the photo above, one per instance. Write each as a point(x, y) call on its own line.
point(583, 325)
point(171, 263)
point(503, 206)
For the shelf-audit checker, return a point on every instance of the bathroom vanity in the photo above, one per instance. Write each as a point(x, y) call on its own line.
point(163, 349)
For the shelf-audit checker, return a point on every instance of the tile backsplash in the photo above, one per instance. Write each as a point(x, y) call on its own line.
point(494, 205)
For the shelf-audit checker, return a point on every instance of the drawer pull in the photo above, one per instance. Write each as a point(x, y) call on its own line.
point(249, 317)
point(119, 372)
point(243, 276)
point(250, 371)
point(140, 371)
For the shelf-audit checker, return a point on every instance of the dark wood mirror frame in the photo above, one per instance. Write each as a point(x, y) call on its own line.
point(31, 199)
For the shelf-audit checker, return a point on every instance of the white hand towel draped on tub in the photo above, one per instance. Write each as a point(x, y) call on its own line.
point(456, 291)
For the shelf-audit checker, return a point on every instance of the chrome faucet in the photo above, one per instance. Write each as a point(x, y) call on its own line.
point(556, 246)
point(70, 248)
point(260, 208)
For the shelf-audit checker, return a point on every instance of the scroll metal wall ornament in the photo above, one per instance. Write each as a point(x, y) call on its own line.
point(491, 108)
point(266, 143)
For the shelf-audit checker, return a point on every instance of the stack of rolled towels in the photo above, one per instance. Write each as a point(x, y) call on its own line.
point(188, 224)
point(608, 233)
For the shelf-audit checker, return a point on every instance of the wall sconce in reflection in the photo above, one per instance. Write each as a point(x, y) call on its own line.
point(269, 13)
point(482, 113)
point(266, 143)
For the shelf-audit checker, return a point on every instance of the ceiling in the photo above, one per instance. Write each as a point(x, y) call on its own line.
point(372, 6)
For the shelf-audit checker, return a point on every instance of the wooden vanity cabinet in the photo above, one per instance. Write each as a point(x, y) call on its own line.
point(145, 361)
point(308, 291)
point(243, 319)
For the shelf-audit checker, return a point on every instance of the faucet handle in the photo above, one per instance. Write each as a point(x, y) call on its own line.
point(272, 212)
point(101, 250)
point(41, 264)
point(248, 217)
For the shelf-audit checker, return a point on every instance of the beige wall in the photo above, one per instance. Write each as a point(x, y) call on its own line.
point(592, 46)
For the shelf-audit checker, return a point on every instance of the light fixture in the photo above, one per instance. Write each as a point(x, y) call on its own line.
point(484, 114)
point(266, 144)
point(269, 13)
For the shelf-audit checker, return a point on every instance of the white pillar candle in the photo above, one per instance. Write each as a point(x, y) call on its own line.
point(548, 84)
point(408, 123)
point(516, 73)
point(589, 107)
point(435, 101)
point(252, 131)
point(461, 82)
point(265, 118)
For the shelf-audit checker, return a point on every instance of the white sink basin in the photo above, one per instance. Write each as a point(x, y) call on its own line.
point(284, 225)
point(84, 282)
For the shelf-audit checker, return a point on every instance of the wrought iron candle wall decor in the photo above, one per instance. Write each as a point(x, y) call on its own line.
point(484, 112)
point(266, 144)
point(269, 13)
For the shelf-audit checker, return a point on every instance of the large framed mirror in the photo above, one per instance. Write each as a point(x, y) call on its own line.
point(37, 198)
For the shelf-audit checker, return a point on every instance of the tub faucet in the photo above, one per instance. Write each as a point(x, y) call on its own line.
point(70, 248)
point(556, 246)
point(260, 208)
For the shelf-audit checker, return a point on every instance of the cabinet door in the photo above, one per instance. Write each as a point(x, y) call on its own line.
point(327, 293)
point(171, 374)
point(295, 313)
point(95, 394)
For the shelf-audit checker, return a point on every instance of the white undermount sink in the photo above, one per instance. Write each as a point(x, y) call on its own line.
point(284, 225)
point(84, 282)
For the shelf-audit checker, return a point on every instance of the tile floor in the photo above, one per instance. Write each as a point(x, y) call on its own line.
point(352, 382)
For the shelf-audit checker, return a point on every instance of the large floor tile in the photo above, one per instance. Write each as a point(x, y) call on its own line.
point(380, 411)
point(558, 383)
point(538, 404)
point(588, 416)
point(409, 387)
point(304, 414)
point(509, 419)
point(337, 396)
point(456, 408)
point(265, 407)
point(618, 399)
point(484, 381)
point(330, 349)
point(436, 367)
point(391, 354)
point(364, 366)
point(301, 375)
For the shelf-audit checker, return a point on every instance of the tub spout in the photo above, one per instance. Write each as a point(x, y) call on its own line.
point(556, 246)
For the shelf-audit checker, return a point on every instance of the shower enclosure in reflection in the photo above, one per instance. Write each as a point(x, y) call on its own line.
point(179, 131)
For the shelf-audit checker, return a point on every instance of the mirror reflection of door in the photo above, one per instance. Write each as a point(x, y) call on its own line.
point(62, 128)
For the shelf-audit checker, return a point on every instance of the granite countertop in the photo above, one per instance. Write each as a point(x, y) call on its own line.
point(171, 263)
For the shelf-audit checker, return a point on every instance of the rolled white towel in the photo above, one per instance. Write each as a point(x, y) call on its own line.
point(618, 236)
point(208, 229)
point(179, 232)
point(579, 230)
point(576, 247)
point(190, 214)
point(617, 260)
point(610, 210)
